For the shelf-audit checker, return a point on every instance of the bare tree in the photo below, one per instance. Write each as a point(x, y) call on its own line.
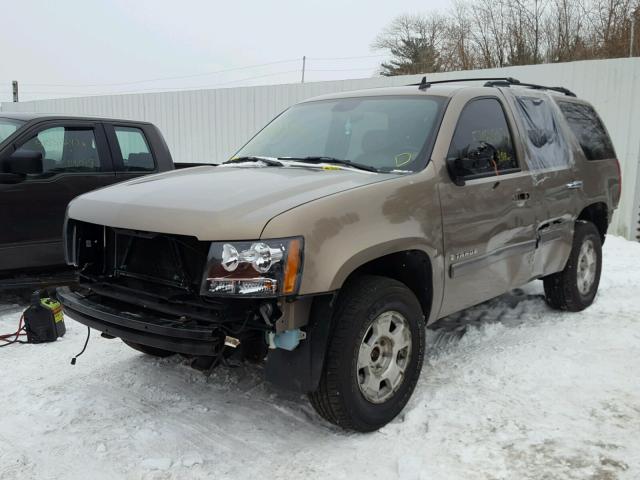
point(498, 33)
point(459, 46)
point(566, 31)
point(635, 30)
point(611, 25)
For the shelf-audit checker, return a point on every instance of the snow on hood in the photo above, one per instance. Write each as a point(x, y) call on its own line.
point(212, 203)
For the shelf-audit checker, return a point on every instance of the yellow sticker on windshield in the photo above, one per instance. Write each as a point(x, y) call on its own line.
point(330, 167)
point(403, 159)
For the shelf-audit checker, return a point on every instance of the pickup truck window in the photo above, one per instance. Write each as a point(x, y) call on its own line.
point(136, 155)
point(386, 133)
point(482, 124)
point(65, 149)
point(589, 130)
point(8, 126)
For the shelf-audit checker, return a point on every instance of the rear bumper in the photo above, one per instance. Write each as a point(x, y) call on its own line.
point(154, 330)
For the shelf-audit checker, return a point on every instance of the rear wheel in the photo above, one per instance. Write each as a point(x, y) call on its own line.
point(153, 351)
point(575, 287)
point(374, 356)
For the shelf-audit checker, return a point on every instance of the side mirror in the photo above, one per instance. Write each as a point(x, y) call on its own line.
point(479, 157)
point(23, 162)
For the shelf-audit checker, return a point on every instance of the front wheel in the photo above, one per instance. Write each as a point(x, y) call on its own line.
point(575, 287)
point(374, 356)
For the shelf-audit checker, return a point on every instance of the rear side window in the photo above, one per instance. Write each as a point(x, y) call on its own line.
point(589, 130)
point(483, 125)
point(546, 145)
point(136, 154)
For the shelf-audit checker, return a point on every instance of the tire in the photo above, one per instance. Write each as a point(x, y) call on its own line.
point(153, 351)
point(346, 395)
point(573, 289)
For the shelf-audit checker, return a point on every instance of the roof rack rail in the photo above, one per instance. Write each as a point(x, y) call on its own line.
point(502, 83)
point(492, 82)
point(424, 84)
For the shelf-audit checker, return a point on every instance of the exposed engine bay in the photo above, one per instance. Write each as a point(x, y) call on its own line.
point(153, 281)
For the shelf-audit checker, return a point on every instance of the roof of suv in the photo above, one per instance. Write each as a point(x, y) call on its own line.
point(446, 90)
point(441, 89)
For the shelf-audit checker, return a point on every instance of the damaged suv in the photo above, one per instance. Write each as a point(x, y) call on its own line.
point(344, 227)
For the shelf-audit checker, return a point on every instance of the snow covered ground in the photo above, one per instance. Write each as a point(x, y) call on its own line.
point(509, 390)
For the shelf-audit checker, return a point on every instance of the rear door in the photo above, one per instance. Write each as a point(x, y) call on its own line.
point(76, 159)
point(489, 222)
point(558, 182)
point(133, 154)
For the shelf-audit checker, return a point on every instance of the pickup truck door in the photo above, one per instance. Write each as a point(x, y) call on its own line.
point(75, 160)
point(489, 222)
point(133, 154)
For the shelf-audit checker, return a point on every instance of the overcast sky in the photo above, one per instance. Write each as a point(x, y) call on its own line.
point(80, 47)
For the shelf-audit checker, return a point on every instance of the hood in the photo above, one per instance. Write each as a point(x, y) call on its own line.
point(213, 203)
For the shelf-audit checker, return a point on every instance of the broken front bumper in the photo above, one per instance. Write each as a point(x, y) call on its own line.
point(153, 329)
point(163, 327)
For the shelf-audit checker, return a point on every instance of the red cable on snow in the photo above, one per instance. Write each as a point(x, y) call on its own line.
point(15, 334)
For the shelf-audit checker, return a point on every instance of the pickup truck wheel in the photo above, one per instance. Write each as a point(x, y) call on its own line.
point(374, 355)
point(575, 287)
point(153, 351)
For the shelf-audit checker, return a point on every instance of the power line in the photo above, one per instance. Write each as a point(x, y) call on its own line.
point(177, 77)
point(347, 58)
point(161, 78)
point(56, 92)
point(341, 69)
point(163, 89)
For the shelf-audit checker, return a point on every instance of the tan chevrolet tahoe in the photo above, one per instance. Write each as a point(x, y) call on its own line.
point(344, 227)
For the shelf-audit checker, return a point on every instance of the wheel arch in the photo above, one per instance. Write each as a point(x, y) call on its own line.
point(411, 266)
point(598, 214)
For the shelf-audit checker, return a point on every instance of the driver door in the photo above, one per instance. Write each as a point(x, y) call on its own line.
point(489, 216)
point(75, 160)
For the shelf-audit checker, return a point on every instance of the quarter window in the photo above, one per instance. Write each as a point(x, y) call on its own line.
point(482, 144)
point(588, 130)
point(136, 155)
point(65, 149)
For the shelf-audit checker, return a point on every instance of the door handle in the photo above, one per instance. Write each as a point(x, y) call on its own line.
point(575, 184)
point(521, 196)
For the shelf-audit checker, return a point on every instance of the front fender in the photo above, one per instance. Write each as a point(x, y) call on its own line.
point(348, 229)
point(376, 251)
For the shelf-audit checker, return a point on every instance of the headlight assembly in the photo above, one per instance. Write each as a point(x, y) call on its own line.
point(265, 268)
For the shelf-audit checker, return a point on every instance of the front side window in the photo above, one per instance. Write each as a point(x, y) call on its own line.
point(387, 133)
point(588, 130)
point(65, 149)
point(8, 126)
point(136, 155)
point(482, 145)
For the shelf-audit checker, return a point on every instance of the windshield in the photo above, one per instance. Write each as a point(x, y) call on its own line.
point(7, 127)
point(387, 133)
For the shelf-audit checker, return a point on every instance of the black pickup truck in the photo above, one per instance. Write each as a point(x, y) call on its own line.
point(46, 161)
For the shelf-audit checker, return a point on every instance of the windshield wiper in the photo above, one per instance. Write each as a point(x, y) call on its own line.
point(335, 161)
point(266, 160)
